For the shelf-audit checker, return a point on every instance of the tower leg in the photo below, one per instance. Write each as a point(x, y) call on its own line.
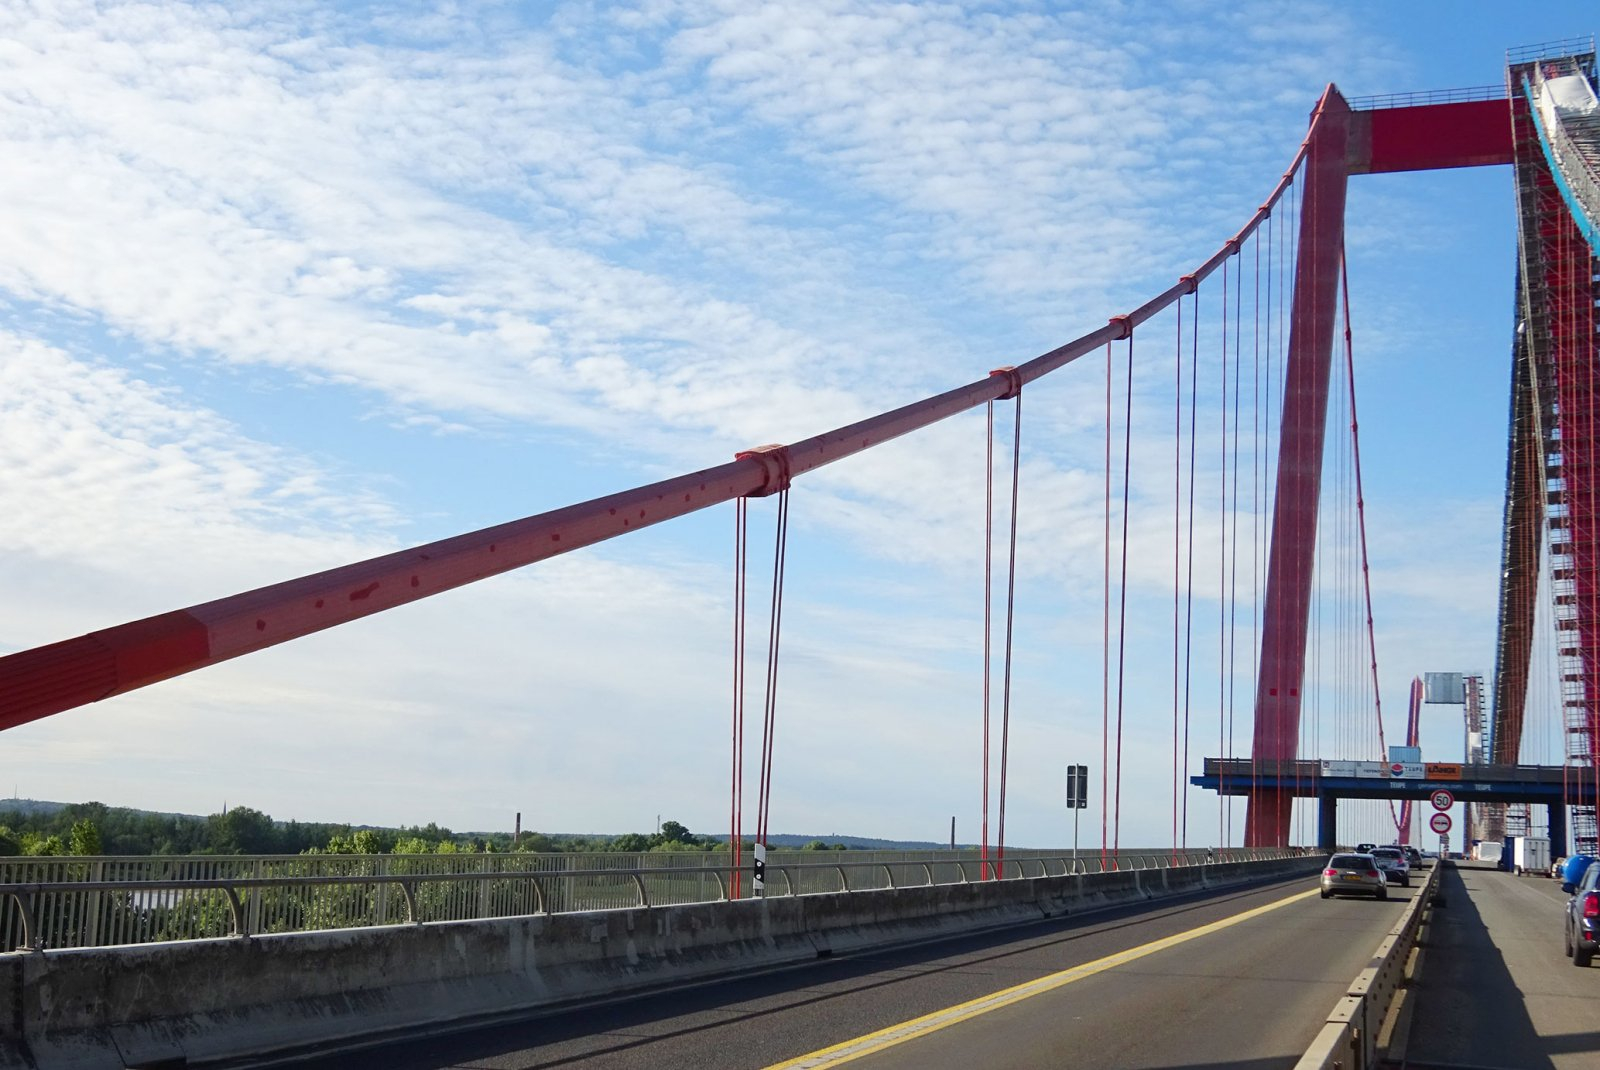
point(1286, 614)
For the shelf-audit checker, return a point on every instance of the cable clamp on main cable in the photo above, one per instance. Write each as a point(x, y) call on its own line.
point(1190, 283)
point(774, 460)
point(1013, 380)
point(1124, 325)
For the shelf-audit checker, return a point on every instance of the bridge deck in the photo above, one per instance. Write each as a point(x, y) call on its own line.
point(1476, 783)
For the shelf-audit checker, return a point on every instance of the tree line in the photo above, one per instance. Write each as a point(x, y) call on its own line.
point(93, 828)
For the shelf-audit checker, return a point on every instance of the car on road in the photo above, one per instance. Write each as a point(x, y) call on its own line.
point(1365, 848)
point(1581, 928)
point(1353, 874)
point(1413, 855)
point(1396, 867)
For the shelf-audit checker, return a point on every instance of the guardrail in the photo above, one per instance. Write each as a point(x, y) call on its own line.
point(271, 997)
point(1429, 96)
point(1349, 1040)
point(104, 902)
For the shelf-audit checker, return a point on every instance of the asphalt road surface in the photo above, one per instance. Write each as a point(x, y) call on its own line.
point(1496, 989)
point(1240, 979)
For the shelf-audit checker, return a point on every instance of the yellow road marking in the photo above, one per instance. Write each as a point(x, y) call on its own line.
point(851, 1050)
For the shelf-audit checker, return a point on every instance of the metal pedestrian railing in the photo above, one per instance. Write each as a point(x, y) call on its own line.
point(63, 902)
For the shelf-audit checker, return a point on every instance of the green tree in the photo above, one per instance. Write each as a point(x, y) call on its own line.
point(34, 844)
point(241, 831)
point(84, 838)
point(359, 842)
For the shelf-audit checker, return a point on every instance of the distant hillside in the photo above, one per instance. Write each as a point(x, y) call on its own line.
point(31, 806)
point(855, 843)
point(43, 808)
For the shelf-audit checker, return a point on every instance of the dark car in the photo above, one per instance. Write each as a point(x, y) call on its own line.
point(1394, 863)
point(1582, 926)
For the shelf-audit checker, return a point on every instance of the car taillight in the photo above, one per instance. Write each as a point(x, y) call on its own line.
point(1330, 873)
point(1591, 905)
point(1374, 873)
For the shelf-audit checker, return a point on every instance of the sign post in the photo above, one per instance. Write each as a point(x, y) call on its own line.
point(1077, 799)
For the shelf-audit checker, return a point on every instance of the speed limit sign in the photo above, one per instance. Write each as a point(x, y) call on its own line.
point(1443, 800)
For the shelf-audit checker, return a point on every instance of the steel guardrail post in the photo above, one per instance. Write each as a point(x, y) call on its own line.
point(240, 926)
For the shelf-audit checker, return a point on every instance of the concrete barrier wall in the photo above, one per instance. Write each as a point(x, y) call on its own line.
point(205, 1000)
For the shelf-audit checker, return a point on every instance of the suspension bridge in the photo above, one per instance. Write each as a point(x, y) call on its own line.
point(1256, 343)
point(1256, 347)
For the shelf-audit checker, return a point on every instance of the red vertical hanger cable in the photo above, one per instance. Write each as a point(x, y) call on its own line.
point(1011, 598)
point(1105, 641)
point(1188, 584)
point(769, 724)
point(988, 630)
point(736, 791)
point(1122, 584)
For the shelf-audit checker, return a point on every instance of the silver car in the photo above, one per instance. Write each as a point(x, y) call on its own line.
point(1395, 865)
point(1353, 874)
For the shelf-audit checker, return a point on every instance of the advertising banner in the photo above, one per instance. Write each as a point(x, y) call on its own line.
point(1374, 770)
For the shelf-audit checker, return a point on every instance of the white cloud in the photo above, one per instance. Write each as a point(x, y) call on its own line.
point(632, 240)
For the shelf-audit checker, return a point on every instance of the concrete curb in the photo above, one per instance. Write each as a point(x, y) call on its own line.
point(204, 1001)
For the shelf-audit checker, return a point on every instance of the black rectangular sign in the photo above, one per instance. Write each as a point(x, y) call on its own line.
point(1077, 787)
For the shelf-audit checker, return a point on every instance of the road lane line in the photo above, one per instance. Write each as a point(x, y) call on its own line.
point(850, 1050)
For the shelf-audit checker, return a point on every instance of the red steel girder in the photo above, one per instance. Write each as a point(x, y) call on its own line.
point(1429, 137)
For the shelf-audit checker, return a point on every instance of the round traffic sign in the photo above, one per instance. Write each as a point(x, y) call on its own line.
point(1443, 800)
point(1439, 822)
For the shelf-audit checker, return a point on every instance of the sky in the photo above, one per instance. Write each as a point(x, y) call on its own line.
point(288, 285)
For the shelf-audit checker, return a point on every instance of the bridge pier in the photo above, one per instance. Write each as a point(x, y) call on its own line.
point(1327, 822)
point(1558, 829)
